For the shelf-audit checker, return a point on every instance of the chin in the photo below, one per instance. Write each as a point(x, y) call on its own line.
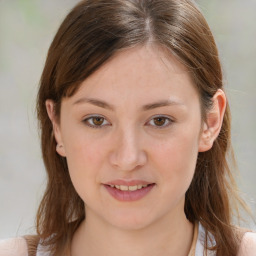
point(131, 221)
point(130, 225)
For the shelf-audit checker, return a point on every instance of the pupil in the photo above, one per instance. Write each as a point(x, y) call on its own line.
point(159, 121)
point(98, 120)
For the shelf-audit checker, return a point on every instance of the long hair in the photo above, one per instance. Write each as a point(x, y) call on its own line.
point(91, 34)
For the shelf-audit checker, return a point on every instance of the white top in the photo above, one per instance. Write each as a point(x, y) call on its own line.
point(18, 246)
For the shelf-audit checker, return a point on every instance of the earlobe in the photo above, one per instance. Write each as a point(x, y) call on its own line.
point(60, 150)
point(213, 122)
point(56, 127)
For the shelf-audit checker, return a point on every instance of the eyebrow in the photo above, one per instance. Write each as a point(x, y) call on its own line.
point(162, 103)
point(103, 104)
point(96, 102)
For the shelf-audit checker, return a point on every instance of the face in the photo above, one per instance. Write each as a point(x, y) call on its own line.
point(131, 136)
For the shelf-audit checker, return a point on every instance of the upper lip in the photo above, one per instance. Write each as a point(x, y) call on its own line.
point(128, 182)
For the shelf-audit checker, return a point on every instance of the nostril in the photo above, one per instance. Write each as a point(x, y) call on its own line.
point(128, 161)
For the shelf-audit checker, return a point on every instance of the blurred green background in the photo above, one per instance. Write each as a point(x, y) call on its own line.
point(26, 30)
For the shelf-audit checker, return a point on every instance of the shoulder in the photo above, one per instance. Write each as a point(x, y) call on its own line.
point(13, 247)
point(248, 245)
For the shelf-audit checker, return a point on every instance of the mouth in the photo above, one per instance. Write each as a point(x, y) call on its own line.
point(130, 188)
point(129, 192)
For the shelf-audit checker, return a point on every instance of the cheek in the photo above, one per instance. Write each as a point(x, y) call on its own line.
point(84, 161)
point(85, 157)
point(83, 150)
point(176, 158)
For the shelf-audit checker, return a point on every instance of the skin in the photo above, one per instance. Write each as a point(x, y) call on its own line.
point(130, 143)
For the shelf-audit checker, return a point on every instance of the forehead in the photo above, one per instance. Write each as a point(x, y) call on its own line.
point(144, 72)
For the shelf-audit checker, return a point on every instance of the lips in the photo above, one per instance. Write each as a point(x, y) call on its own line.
point(128, 190)
point(128, 182)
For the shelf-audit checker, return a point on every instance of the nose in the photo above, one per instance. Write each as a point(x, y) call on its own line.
point(127, 151)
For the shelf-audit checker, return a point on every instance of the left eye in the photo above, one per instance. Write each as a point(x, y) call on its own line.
point(160, 121)
point(96, 121)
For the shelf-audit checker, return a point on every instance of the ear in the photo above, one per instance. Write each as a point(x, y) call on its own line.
point(50, 107)
point(212, 125)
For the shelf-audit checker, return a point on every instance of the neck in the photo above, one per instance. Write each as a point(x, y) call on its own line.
point(96, 237)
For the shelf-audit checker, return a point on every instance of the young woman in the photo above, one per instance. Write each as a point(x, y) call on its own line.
point(135, 132)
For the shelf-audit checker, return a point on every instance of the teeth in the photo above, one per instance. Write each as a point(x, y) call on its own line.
point(130, 188)
point(133, 188)
point(124, 188)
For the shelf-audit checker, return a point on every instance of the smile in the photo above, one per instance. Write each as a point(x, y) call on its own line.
point(130, 188)
point(129, 193)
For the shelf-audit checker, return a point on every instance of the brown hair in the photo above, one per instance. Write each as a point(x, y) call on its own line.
point(92, 33)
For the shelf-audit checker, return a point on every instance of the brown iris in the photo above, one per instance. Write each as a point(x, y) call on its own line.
point(97, 120)
point(159, 121)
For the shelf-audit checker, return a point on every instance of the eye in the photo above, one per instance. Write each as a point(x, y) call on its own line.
point(96, 121)
point(160, 121)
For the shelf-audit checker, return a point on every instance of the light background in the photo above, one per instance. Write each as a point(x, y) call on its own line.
point(26, 30)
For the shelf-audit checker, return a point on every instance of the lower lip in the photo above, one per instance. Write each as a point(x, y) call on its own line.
point(129, 195)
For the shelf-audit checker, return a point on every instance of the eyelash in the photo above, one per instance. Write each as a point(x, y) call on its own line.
point(86, 121)
point(167, 121)
point(90, 118)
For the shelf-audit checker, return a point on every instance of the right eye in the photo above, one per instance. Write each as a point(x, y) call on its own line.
point(96, 121)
